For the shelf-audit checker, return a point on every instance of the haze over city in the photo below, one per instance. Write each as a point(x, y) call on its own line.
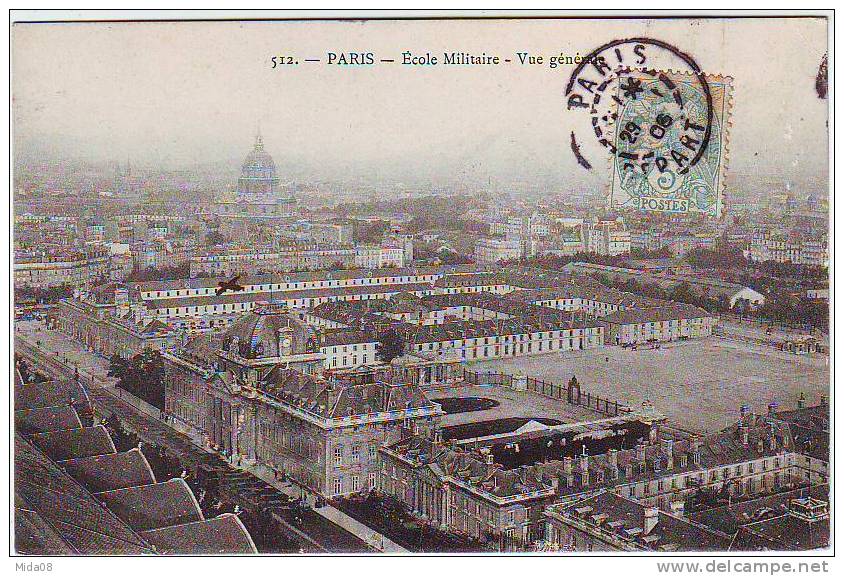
point(266, 303)
point(175, 95)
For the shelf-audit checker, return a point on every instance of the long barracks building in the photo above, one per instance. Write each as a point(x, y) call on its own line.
point(475, 312)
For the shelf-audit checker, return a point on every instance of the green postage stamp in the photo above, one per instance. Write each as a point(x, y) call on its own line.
point(670, 142)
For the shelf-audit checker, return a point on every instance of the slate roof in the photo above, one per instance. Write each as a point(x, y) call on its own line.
point(46, 394)
point(619, 518)
point(247, 297)
point(810, 427)
point(224, 534)
point(339, 399)
point(658, 314)
point(468, 467)
point(74, 443)
point(784, 532)
point(256, 279)
point(79, 524)
point(154, 505)
point(731, 519)
point(75, 495)
point(46, 419)
point(111, 471)
point(766, 437)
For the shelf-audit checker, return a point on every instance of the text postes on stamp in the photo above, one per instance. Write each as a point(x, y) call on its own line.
point(665, 159)
point(653, 108)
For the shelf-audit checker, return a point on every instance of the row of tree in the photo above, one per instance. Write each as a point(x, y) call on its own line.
point(142, 375)
point(163, 273)
point(49, 295)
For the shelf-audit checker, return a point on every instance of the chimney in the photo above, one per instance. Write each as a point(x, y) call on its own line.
point(653, 434)
point(744, 411)
point(651, 517)
point(772, 408)
point(801, 402)
point(612, 457)
point(695, 446)
point(668, 452)
point(567, 465)
point(678, 507)
point(584, 470)
point(640, 451)
point(744, 433)
point(584, 464)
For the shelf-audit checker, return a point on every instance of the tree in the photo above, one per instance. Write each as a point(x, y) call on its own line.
point(118, 367)
point(142, 375)
point(214, 238)
point(163, 273)
point(390, 345)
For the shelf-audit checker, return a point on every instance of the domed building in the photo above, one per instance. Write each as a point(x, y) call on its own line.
point(257, 194)
point(269, 332)
point(258, 178)
point(262, 393)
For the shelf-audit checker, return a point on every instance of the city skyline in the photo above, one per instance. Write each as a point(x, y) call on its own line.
point(201, 103)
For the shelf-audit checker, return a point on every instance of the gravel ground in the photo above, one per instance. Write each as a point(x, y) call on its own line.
point(698, 384)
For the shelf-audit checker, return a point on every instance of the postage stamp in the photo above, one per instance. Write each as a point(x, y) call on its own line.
point(670, 142)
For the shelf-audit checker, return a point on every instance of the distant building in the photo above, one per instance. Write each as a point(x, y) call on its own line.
point(60, 266)
point(373, 256)
point(767, 246)
point(231, 261)
point(734, 294)
point(258, 179)
point(162, 253)
point(606, 237)
point(257, 194)
point(492, 250)
point(659, 324)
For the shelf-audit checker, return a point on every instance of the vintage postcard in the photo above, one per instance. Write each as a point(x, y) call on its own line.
point(396, 283)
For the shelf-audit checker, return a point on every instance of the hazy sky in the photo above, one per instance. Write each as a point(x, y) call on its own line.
point(180, 93)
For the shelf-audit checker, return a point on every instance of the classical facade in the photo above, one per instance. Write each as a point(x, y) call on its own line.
point(258, 395)
point(102, 320)
point(60, 267)
point(485, 490)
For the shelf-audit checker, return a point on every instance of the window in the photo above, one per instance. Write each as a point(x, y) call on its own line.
point(373, 450)
point(338, 486)
point(372, 480)
point(355, 453)
point(338, 455)
point(355, 483)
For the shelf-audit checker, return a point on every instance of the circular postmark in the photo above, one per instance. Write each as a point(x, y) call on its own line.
point(655, 126)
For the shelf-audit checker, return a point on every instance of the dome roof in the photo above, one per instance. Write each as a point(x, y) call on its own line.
point(258, 175)
point(258, 160)
point(268, 332)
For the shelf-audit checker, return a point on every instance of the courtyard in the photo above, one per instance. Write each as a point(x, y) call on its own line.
point(510, 404)
point(698, 384)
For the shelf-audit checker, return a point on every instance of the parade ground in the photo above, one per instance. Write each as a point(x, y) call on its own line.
point(698, 384)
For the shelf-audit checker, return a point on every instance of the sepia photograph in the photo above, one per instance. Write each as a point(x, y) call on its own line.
point(399, 283)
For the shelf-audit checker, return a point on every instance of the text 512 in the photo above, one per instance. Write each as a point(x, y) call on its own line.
point(283, 61)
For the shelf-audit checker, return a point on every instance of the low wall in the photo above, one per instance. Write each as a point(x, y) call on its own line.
point(571, 394)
